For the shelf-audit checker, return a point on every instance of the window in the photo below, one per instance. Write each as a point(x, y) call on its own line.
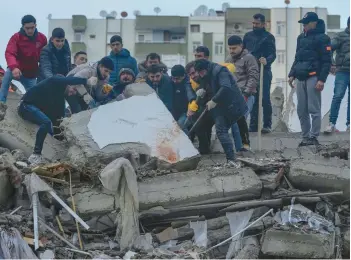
point(219, 48)
point(78, 37)
point(280, 28)
point(195, 45)
point(281, 57)
point(195, 28)
point(141, 38)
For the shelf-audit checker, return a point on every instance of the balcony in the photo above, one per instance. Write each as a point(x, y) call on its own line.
point(158, 22)
point(161, 47)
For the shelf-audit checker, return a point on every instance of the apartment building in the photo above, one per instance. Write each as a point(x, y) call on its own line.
point(93, 35)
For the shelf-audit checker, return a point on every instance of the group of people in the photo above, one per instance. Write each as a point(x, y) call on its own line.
point(202, 92)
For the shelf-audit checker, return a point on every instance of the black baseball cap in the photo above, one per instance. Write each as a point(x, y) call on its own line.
point(309, 17)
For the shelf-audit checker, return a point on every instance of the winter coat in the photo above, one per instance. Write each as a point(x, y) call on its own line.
point(341, 44)
point(247, 74)
point(53, 61)
point(164, 90)
point(261, 44)
point(87, 71)
point(225, 93)
point(143, 71)
point(49, 97)
point(23, 52)
point(122, 60)
point(183, 94)
point(313, 54)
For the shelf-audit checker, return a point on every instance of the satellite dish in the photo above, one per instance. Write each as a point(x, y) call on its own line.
point(157, 10)
point(113, 14)
point(212, 12)
point(124, 14)
point(49, 16)
point(137, 13)
point(225, 6)
point(202, 10)
point(103, 13)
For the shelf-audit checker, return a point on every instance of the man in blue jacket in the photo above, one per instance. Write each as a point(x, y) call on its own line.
point(162, 84)
point(121, 59)
point(224, 100)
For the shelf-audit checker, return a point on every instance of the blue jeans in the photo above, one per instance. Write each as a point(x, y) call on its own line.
point(4, 90)
point(266, 103)
point(35, 115)
point(342, 82)
point(235, 128)
point(222, 131)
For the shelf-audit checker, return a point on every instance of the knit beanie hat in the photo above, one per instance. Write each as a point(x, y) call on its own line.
point(127, 70)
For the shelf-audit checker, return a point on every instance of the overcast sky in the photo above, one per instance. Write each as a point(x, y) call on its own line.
point(12, 12)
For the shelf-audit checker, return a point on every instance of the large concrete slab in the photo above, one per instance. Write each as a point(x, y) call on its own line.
point(295, 244)
point(193, 186)
point(16, 133)
point(323, 175)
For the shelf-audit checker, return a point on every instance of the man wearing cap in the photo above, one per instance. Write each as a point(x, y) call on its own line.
point(310, 69)
point(22, 57)
point(55, 58)
point(98, 88)
point(184, 97)
point(224, 100)
point(121, 58)
point(261, 44)
point(341, 65)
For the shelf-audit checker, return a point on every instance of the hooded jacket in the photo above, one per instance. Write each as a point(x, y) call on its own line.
point(313, 54)
point(121, 60)
point(225, 92)
point(87, 71)
point(23, 52)
point(261, 43)
point(143, 71)
point(246, 72)
point(341, 44)
point(54, 61)
point(164, 90)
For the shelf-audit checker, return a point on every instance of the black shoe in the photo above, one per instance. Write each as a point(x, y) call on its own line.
point(313, 141)
point(304, 142)
point(266, 130)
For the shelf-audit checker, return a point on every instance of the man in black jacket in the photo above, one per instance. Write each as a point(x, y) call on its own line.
point(311, 69)
point(261, 44)
point(224, 100)
point(44, 105)
point(55, 58)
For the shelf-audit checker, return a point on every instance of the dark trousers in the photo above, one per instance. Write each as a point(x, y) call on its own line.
point(203, 132)
point(76, 104)
point(35, 115)
point(244, 130)
point(222, 131)
point(266, 103)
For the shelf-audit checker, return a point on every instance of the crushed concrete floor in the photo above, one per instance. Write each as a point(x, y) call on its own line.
point(290, 203)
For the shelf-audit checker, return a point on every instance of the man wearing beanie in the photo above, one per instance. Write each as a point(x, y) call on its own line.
point(341, 65)
point(224, 102)
point(184, 97)
point(22, 57)
point(121, 58)
point(247, 78)
point(55, 58)
point(97, 89)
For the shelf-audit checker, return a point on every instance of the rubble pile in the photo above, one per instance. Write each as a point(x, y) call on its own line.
point(272, 207)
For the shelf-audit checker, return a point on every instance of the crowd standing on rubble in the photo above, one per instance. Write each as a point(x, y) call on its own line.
point(218, 94)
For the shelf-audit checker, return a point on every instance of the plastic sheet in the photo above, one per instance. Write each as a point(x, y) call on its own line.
point(237, 222)
point(12, 246)
point(200, 233)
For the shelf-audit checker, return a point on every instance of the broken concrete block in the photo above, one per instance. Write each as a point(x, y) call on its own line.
point(193, 186)
point(323, 175)
point(295, 244)
point(16, 133)
point(93, 137)
point(137, 89)
point(19, 155)
point(6, 189)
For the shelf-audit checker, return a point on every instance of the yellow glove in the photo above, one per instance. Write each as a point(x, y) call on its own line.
point(107, 88)
point(193, 106)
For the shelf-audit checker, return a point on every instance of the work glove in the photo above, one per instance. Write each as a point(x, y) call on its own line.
point(193, 106)
point(92, 81)
point(201, 93)
point(211, 105)
point(107, 88)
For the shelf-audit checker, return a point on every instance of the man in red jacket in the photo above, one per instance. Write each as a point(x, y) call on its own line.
point(22, 56)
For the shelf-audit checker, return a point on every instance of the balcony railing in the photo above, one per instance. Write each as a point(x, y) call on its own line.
point(165, 42)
